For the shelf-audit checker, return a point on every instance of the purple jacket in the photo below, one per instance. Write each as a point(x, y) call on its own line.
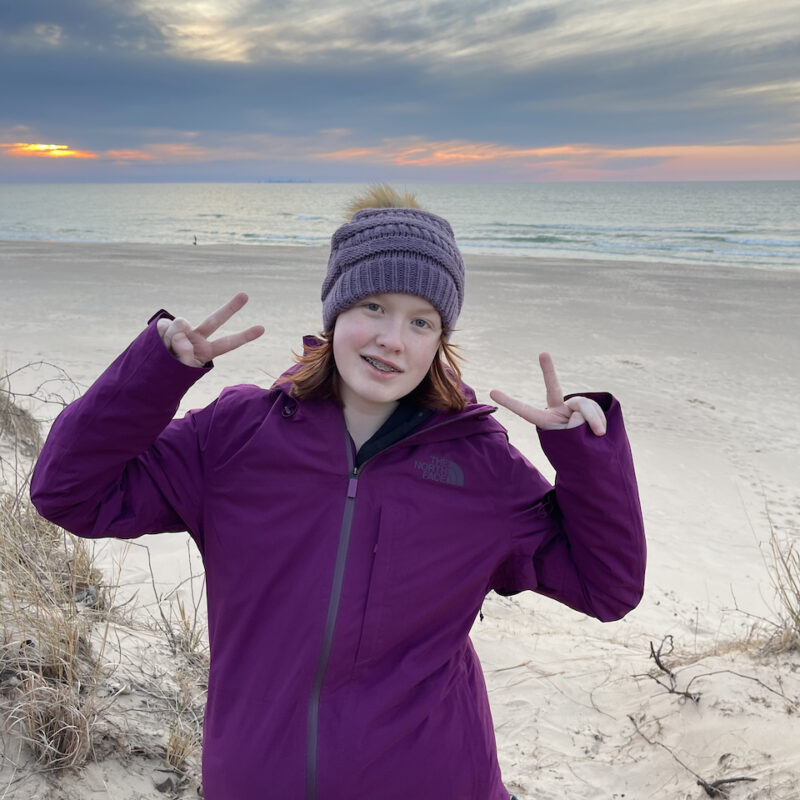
point(340, 600)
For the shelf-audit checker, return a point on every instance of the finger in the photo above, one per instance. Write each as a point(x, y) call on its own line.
point(536, 416)
point(227, 343)
point(177, 325)
point(221, 315)
point(555, 397)
point(590, 412)
point(183, 349)
point(162, 325)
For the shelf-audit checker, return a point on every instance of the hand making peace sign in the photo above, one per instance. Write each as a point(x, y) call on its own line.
point(191, 346)
point(559, 413)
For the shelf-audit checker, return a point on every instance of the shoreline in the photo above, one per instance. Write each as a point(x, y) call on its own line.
point(469, 254)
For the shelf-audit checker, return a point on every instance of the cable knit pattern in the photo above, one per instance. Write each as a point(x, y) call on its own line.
point(394, 250)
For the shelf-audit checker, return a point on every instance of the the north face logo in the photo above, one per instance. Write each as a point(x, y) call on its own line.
point(441, 470)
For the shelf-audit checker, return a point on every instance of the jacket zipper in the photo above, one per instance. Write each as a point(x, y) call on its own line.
point(312, 748)
point(312, 745)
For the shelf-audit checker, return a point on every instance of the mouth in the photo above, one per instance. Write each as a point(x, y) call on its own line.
point(381, 366)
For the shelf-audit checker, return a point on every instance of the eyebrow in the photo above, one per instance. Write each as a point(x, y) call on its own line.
point(423, 311)
point(418, 310)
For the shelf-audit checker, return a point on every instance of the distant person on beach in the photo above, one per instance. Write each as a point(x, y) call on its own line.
point(352, 518)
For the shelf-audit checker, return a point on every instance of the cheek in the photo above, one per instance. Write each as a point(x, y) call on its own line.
point(425, 356)
point(341, 353)
point(345, 337)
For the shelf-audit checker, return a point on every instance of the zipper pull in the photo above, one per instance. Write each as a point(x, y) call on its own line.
point(352, 487)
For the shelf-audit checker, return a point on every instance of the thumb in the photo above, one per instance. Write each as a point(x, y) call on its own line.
point(182, 347)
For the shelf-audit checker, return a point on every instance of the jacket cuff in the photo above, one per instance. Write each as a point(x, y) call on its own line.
point(164, 314)
point(568, 447)
point(161, 314)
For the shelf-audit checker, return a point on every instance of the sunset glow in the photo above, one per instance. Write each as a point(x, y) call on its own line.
point(125, 156)
point(588, 161)
point(28, 149)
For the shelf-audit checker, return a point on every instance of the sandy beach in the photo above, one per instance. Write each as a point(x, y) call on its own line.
point(704, 363)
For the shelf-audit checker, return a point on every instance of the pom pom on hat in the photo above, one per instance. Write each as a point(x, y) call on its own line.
point(385, 250)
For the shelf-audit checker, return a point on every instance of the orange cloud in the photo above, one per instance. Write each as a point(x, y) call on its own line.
point(162, 153)
point(129, 155)
point(29, 149)
point(592, 162)
point(427, 154)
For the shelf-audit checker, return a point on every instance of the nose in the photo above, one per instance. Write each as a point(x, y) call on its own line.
point(390, 335)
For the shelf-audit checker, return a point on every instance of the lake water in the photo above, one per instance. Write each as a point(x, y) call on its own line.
point(736, 223)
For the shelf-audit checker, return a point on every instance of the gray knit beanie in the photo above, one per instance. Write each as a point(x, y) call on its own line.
point(394, 250)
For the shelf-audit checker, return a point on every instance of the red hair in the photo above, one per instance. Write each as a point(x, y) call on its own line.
point(317, 377)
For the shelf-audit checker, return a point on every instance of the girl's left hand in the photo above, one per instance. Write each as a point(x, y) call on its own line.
point(559, 413)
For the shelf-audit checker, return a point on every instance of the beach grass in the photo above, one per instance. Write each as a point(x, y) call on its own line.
point(58, 622)
point(783, 562)
point(52, 602)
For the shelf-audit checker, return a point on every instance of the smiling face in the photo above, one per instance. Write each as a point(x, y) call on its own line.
point(383, 347)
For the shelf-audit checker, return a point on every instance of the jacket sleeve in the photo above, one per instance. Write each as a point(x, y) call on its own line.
point(114, 463)
point(592, 553)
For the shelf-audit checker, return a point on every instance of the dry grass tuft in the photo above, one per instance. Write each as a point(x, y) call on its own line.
point(52, 599)
point(17, 424)
point(182, 744)
point(185, 730)
point(48, 660)
point(784, 567)
point(181, 625)
point(56, 722)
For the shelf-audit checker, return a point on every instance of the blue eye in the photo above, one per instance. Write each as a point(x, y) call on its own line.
point(421, 323)
point(373, 307)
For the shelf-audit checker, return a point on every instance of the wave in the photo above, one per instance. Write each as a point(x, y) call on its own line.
point(766, 242)
point(652, 246)
point(659, 229)
point(757, 253)
point(504, 245)
point(540, 239)
point(284, 238)
point(778, 254)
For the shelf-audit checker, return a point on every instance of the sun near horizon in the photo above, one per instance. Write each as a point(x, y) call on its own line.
point(39, 150)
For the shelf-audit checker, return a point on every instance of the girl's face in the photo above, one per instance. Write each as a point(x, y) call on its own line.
point(383, 347)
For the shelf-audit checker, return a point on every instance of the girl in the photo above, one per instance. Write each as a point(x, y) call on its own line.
point(352, 519)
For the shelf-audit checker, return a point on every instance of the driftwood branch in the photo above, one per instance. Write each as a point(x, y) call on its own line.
point(672, 679)
point(671, 682)
point(712, 788)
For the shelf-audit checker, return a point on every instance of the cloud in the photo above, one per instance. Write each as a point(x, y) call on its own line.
point(584, 161)
point(530, 74)
point(129, 156)
point(77, 25)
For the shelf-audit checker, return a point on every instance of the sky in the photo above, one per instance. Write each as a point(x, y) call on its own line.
point(394, 90)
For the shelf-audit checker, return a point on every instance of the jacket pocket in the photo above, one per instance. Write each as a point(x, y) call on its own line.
point(376, 624)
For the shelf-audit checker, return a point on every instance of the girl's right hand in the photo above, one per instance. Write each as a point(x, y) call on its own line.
point(560, 413)
point(191, 346)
